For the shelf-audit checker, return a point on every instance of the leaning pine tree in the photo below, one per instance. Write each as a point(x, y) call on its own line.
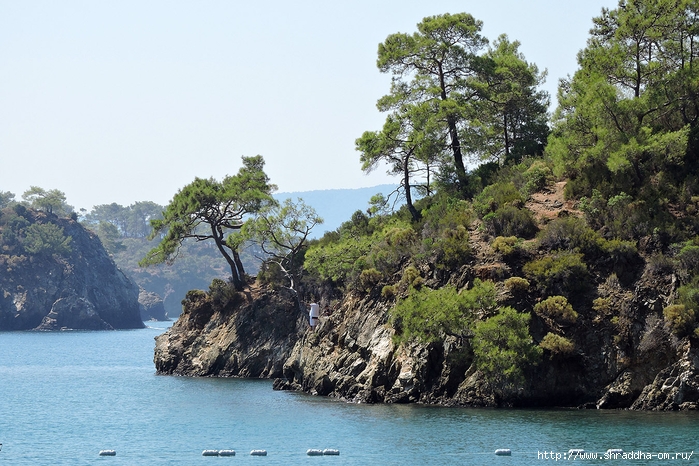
point(207, 209)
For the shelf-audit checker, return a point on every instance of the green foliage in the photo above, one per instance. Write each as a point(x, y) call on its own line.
point(6, 198)
point(210, 210)
point(537, 177)
point(110, 237)
point(627, 121)
point(497, 196)
point(680, 318)
point(448, 97)
point(557, 308)
point(223, 294)
point(688, 258)
point(369, 278)
point(428, 315)
point(560, 274)
point(445, 232)
point(340, 261)
point(281, 233)
point(517, 285)
point(557, 344)
point(503, 348)
point(660, 265)
point(602, 306)
point(52, 201)
point(388, 291)
point(411, 277)
point(130, 222)
point(505, 245)
point(571, 234)
point(510, 221)
point(46, 238)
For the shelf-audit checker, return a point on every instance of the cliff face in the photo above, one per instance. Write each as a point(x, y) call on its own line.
point(352, 354)
point(82, 289)
point(246, 335)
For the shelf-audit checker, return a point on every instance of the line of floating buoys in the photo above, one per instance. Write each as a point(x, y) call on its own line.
point(258, 453)
point(218, 453)
point(503, 452)
point(326, 452)
point(107, 452)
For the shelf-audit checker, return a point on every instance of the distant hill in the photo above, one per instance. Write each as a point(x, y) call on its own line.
point(336, 205)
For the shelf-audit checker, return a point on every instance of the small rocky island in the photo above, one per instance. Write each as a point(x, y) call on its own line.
point(55, 274)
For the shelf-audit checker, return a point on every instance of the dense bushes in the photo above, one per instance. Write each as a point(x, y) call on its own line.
point(510, 221)
point(557, 344)
point(560, 274)
point(429, 315)
point(557, 308)
point(503, 348)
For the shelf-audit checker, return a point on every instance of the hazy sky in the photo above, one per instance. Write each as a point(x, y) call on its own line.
point(124, 101)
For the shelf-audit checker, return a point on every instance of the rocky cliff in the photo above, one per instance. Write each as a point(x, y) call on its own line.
point(632, 362)
point(247, 334)
point(352, 356)
point(80, 288)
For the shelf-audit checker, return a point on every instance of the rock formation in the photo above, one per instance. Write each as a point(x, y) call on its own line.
point(152, 307)
point(81, 289)
point(244, 335)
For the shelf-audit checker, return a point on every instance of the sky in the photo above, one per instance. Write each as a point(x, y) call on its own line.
point(130, 101)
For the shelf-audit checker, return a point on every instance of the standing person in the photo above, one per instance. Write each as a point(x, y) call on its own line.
point(313, 315)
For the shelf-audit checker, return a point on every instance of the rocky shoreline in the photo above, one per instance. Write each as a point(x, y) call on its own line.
point(352, 356)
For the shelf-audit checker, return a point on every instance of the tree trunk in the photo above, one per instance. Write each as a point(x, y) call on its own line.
point(408, 196)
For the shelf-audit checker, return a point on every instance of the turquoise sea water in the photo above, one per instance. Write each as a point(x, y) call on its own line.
point(66, 396)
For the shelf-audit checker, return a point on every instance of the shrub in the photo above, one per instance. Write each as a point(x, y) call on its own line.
point(602, 306)
point(537, 176)
point(516, 285)
point(571, 233)
point(688, 258)
point(223, 294)
point(369, 278)
point(557, 344)
point(510, 221)
point(388, 291)
point(680, 318)
point(660, 265)
point(560, 274)
point(428, 315)
point(497, 196)
point(557, 308)
point(46, 238)
point(411, 277)
point(505, 245)
point(503, 348)
point(452, 248)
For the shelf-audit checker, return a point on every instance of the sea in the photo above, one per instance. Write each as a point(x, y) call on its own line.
point(66, 396)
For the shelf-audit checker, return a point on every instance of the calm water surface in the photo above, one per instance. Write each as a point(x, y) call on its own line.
point(66, 396)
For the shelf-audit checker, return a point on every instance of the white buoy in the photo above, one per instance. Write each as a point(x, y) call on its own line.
point(107, 452)
point(226, 453)
point(331, 452)
point(209, 453)
point(258, 453)
point(503, 452)
point(314, 452)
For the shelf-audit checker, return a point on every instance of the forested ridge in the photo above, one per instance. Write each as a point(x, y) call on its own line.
point(529, 241)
